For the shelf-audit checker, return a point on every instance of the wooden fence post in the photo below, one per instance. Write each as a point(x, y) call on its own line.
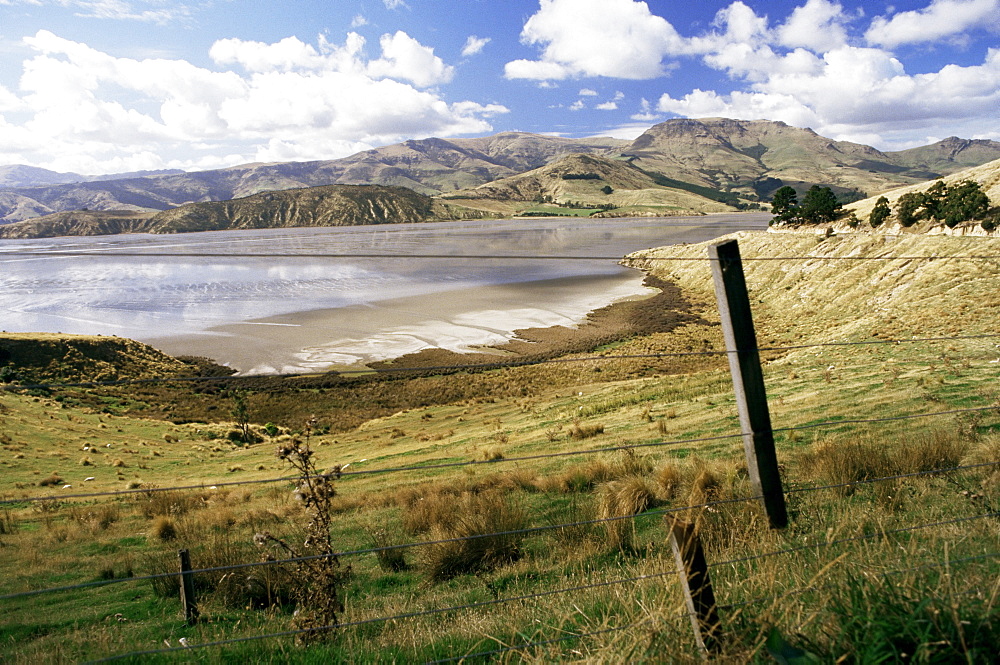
point(187, 588)
point(696, 585)
point(748, 379)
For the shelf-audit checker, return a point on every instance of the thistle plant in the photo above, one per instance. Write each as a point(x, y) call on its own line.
point(317, 571)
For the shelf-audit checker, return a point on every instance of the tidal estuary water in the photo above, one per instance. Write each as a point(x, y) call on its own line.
point(294, 300)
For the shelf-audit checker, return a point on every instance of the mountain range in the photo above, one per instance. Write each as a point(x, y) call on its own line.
point(679, 166)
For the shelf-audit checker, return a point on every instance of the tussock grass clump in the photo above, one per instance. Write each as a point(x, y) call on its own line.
point(423, 513)
point(163, 529)
point(623, 498)
point(477, 539)
point(175, 503)
point(492, 454)
point(877, 621)
point(8, 523)
point(589, 475)
point(52, 480)
point(580, 477)
point(939, 449)
point(389, 560)
point(580, 431)
point(668, 479)
point(869, 456)
point(238, 588)
point(844, 463)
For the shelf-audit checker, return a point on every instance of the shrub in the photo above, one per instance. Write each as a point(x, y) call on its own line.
point(478, 539)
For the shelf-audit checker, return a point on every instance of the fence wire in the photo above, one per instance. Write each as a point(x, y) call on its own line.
point(540, 456)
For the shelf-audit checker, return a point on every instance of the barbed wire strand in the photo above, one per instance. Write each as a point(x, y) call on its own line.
point(868, 536)
point(819, 587)
point(376, 550)
point(532, 596)
point(406, 615)
point(539, 456)
point(515, 532)
point(247, 378)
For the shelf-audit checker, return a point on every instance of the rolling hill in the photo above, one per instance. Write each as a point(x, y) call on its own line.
point(331, 205)
point(589, 180)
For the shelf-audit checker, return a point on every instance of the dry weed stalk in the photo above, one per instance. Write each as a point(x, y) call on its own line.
point(317, 571)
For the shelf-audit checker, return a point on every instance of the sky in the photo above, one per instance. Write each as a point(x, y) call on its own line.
point(110, 86)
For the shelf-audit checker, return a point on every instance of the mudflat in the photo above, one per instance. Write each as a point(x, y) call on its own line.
point(462, 320)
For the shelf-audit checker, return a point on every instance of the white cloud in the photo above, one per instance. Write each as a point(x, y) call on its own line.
point(359, 21)
point(474, 45)
point(394, 4)
point(612, 104)
point(291, 100)
point(818, 25)
point(633, 41)
point(940, 19)
point(857, 92)
point(578, 105)
point(645, 113)
point(587, 92)
point(406, 58)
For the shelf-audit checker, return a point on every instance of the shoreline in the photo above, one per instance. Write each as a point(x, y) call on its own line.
point(471, 321)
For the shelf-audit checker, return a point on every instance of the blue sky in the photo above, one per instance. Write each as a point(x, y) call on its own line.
point(102, 86)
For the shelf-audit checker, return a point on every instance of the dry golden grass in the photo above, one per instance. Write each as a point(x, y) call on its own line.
point(620, 498)
point(163, 528)
point(478, 537)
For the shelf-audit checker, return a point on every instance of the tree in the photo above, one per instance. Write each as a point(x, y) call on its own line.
point(819, 205)
point(880, 212)
point(962, 203)
point(241, 414)
point(785, 205)
point(907, 208)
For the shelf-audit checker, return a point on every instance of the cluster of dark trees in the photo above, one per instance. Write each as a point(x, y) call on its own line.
point(819, 205)
point(943, 204)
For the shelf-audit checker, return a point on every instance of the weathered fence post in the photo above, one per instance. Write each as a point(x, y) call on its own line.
point(696, 584)
point(748, 379)
point(187, 588)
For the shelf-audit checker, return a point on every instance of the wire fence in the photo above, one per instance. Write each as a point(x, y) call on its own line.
point(819, 538)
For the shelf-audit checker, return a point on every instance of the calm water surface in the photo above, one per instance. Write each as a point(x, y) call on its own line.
point(173, 286)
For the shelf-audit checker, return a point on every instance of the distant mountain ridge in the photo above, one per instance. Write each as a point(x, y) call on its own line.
point(741, 159)
point(19, 175)
point(429, 166)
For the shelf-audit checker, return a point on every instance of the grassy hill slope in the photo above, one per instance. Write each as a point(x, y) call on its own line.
point(583, 179)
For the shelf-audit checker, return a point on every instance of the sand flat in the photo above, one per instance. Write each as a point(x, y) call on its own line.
point(348, 337)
